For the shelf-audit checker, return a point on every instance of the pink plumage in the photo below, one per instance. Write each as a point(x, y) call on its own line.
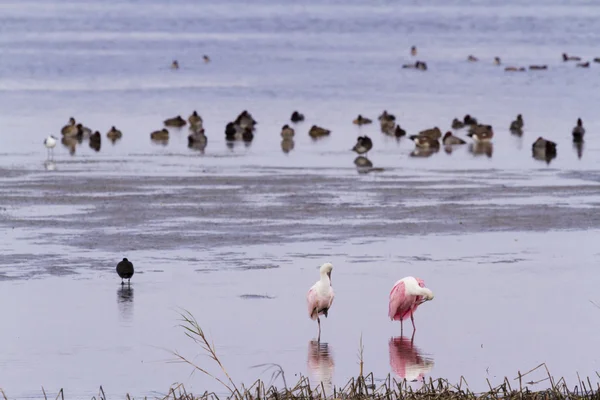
point(406, 361)
point(317, 303)
point(406, 295)
point(320, 296)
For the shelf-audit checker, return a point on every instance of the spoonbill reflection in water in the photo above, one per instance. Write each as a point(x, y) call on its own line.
point(321, 365)
point(406, 295)
point(406, 360)
point(320, 296)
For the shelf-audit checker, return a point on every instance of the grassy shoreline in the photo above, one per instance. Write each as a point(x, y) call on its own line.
point(365, 387)
point(361, 387)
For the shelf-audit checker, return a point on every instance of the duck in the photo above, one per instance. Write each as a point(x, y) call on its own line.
point(420, 65)
point(399, 132)
point(245, 120)
point(231, 131)
point(316, 131)
point(538, 67)
point(162, 135)
point(385, 116)
point(287, 132)
point(83, 132)
point(517, 124)
point(543, 146)
point(450, 140)
point(457, 124)
point(195, 119)
point(247, 135)
point(175, 64)
point(468, 120)
point(497, 61)
point(583, 65)
point(543, 150)
point(125, 270)
point(114, 134)
point(387, 122)
point(287, 145)
point(95, 137)
point(387, 127)
point(578, 131)
point(434, 133)
point(363, 145)
point(206, 58)
point(425, 142)
point(176, 122)
point(197, 140)
point(95, 141)
point(570, 58)
point(70, 129)
point(297, 117)
point(413, 51)
point(514, 69)
point(472, 58)
point(360, 120)
point(481, 133)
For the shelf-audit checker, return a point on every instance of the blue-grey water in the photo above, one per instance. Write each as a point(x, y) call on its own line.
point(235, 234)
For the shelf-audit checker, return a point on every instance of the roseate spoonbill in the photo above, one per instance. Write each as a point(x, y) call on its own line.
point(125, 270)
point(320, 296)
point(406, 295)
point(50, 143)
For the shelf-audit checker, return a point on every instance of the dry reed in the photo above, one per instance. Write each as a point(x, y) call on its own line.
point(362, 387)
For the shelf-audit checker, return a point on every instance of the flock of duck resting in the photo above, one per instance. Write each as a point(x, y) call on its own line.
point(426, 142)
point(421, 65)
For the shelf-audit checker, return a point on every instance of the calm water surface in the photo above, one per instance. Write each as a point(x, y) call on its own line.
point(235, 234)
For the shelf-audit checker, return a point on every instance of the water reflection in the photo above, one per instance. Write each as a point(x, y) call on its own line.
point(50, 165)
point(578, 146)
point(364, 165)
point(420, 152)
point(163, 142)
point(287, 145)
point(518, 139)
point(321, 365)
point(363, 162)
point(70, 143)
point(479, 149)
point(125, 301)
point(406, 360)
point(542, 155)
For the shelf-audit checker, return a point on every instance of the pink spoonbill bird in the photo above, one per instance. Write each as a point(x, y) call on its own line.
point(320, 296)
point(406, 295)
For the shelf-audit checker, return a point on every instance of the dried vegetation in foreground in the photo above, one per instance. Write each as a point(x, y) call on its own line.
point(362, 387)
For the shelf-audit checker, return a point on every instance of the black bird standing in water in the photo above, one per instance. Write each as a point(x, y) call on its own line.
point(125, 270)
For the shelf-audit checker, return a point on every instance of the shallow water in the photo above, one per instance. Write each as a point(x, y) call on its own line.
point(235, 234)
